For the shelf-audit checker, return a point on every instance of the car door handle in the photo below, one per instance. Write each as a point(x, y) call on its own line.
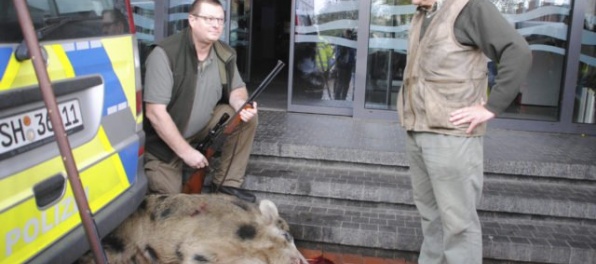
point(49, 190)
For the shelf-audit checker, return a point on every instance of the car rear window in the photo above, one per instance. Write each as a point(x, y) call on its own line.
point(65, 19)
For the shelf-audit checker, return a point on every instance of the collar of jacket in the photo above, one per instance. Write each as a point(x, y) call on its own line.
point(430, 11)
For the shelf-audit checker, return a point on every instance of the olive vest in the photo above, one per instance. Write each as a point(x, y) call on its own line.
point(182, 56)
point(441, 75)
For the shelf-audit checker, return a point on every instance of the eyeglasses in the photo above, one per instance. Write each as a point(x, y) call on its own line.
point(108, 24)
point(211, 20)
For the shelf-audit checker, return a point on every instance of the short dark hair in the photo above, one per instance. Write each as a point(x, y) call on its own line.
point(195, 6)
point(118, 17)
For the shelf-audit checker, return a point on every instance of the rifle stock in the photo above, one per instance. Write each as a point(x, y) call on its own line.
point(224, 127)
point(195, 182)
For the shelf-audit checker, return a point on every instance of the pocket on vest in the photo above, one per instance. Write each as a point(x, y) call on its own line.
point(443, 97)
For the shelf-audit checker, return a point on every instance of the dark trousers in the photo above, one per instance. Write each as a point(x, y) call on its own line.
point(342, 85)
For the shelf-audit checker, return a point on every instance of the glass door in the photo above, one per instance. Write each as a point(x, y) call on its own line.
point(323, 57)
point(544, 24)
point(585, 95)
point(387, 48)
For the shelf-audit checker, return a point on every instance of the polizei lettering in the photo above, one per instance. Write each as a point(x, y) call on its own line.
point(34, 227)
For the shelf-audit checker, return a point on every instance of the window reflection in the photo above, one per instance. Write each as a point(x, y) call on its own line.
point(585, 99)
point(178, 16)
point(389, 24)
point(240, 35)
point(325, 52)
point(144, 19)
point(544, 24)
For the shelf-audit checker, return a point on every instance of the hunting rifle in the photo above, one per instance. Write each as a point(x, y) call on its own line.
point(224, 127)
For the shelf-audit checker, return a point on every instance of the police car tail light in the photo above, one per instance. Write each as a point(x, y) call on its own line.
point(139, 103)
point(141, 150)
point(139, 109)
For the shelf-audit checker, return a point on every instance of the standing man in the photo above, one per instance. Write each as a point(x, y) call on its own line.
point(191, 80)
point(345, 60)
point(444, 108)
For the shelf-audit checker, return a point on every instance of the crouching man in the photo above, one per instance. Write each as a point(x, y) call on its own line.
point(191, 80)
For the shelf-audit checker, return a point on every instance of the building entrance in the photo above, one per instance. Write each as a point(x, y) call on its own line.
point(260, 33)
point(341, 61)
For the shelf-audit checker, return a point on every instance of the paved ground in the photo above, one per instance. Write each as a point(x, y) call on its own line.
point(348, 258)
point(506, 151)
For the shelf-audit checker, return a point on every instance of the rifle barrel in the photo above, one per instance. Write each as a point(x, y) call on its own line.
point(260, 88)
point(266, 82)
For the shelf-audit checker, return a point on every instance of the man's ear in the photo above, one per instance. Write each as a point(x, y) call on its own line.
point(190, 24)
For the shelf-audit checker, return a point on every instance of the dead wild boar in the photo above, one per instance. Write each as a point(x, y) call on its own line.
point(201, 229)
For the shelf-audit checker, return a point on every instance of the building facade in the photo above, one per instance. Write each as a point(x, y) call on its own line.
point(346, 57)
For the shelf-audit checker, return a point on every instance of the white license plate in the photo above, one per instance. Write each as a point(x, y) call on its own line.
point(25, 131)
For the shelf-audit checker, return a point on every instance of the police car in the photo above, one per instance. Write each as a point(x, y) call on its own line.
point(92, 60)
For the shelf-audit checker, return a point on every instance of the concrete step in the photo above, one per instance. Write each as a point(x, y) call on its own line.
point(391, 227)
point(390, 184)
point(371, 206)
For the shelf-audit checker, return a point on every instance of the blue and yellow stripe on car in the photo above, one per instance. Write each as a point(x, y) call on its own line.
point(5, 54)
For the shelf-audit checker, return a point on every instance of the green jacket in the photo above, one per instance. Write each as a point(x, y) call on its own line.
point(181, 54)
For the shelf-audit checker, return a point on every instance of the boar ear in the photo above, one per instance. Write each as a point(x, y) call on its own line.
point(269, 211)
